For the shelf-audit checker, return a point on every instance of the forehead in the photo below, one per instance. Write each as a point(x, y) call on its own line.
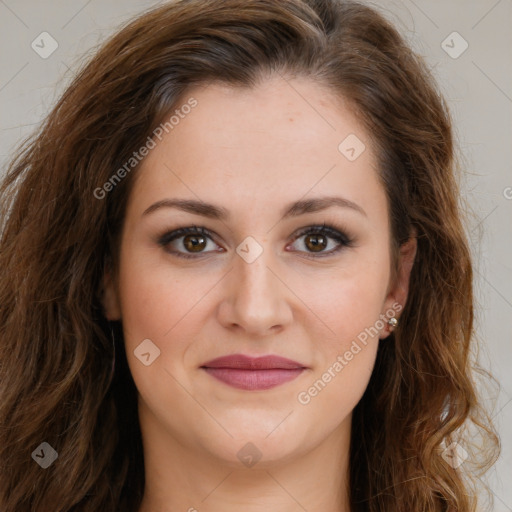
point(248, 147)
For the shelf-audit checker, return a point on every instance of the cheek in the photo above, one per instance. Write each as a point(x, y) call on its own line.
point(350, 304)
point(345, 359)
point(154, 297)
point(143, 304)
point(159, 307)
point(166, 306)
point(151, 307)
point(349, 300)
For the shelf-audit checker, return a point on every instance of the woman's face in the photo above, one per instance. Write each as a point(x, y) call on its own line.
point(259, 169)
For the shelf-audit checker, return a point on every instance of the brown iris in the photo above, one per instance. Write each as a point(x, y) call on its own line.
point(194, 243)
point(316, 242)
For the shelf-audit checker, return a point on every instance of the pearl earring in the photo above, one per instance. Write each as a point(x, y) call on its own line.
point(393, 322)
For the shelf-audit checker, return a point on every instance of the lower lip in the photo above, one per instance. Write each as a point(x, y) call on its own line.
point(254, 379)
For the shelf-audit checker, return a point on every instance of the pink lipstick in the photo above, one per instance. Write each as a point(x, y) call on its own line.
point(250, 373)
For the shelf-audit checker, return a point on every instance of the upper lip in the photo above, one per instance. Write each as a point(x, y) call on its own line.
point(243, 362)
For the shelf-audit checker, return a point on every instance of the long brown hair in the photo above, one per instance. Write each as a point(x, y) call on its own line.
point(59, 236)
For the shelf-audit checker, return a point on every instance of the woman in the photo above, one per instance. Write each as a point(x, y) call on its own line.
point(234, 273)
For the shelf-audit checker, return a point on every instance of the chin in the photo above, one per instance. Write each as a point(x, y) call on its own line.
point(258, 445)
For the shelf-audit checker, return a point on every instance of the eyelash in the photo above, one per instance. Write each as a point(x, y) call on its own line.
point(323, 229)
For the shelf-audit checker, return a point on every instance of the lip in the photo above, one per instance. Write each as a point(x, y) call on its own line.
point(253, 373)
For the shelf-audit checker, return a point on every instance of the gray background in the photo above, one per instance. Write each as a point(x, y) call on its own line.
point(477, 85)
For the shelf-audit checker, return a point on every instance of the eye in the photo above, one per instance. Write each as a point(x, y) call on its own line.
point(318, 238)
point(193, 239)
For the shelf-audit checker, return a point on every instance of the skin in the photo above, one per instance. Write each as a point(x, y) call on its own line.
point(254, 151)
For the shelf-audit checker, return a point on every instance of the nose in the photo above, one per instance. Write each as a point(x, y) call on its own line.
point(257, 299)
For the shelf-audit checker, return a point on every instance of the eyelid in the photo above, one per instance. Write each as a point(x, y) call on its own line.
point(330, 231)
point(176, 234)
point(340, 235)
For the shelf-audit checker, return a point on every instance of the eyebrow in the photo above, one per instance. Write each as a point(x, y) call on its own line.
point(220, 213)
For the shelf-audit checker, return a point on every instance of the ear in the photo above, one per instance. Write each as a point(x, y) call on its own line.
point(399, 290)
point(110, 298)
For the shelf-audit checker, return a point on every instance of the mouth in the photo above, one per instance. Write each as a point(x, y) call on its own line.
point(252, 374)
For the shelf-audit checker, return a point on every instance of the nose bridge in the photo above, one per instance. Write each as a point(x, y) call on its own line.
point(255, 280)
point(258, 297)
